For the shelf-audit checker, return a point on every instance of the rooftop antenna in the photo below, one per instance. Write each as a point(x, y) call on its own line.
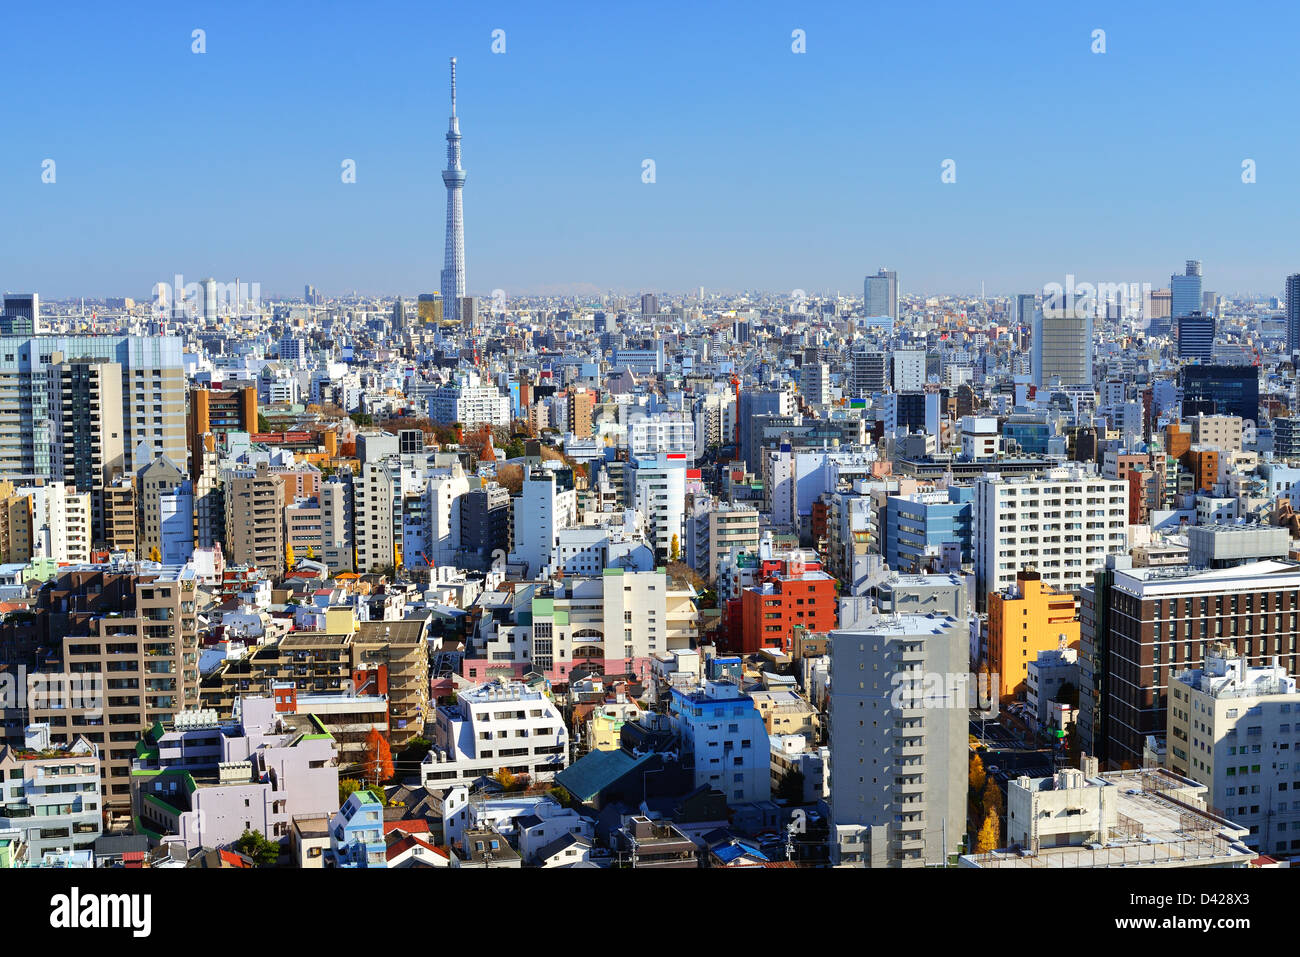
point(453, 86)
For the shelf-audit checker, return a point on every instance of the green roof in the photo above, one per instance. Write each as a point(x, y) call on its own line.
point(543, 607)
point(597, 770)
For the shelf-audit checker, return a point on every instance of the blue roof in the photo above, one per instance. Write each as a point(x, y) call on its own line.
point(731, 852)
point(597, 770)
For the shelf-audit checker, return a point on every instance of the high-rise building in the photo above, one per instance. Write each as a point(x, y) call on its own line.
point(85, 410)
point(337, 541)
point(1062, 348)
point(546, 502)
point(135, 632)
point(898, 745)
point(1195, 336)
point(1293, 313)
point(1024, 620)
point(908, 370)
point(1064, 523)
point(254, 519)
point(1162, 621)
point(869, 373)
point(649, 304)
point(660, 483)
point(880, 294)
point(151, 482)
point(1185, 291)
point(1221, 390)
point(152, 397)
point(113, 516)
point(20, 314)
point(220, 411)
point(1023, 315)
point(581, 404)
point(453, 177)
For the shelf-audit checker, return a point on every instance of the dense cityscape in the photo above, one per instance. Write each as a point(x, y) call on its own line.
point(656, 580)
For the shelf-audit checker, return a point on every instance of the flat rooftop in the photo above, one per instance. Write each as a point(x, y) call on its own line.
point(1160, 825)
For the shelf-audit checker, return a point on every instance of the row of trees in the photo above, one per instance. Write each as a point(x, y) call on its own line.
point(985, 806)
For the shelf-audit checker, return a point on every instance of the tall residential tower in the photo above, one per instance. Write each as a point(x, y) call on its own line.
point(453, 270)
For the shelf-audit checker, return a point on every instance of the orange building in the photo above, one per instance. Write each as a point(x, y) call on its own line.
point(219, 410)
point(1203, 463)
point(1178, 440)
point(1027, 618)
point(795, 593)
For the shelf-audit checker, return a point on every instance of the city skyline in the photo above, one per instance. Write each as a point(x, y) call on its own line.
point(560, 201)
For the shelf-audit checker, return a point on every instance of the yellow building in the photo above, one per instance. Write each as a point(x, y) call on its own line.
point(15, 524)
point(605, 723)
point(1027, 618)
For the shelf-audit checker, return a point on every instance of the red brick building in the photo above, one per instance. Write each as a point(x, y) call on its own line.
point(790, 592)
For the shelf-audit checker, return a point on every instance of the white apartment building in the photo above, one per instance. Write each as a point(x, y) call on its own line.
point(590, 549)
point(722, 729)
point(376, 492)
point(1235, 728)
point(661, 497)
point(546, 503)
point(469, 401)
point(61, 522)
point(1064, 523)
point(50, 794)
point(440, 535)
point(909, 370)
point(670, 433)
point(616, 621)
point(500, 724)
point(980, 438)
point(715, 420)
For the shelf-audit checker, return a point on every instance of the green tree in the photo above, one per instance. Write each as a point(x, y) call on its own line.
point(346, 788)
point(264, 852)
point(263, 425)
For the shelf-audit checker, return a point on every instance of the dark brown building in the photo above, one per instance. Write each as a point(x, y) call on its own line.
point(1159, 622)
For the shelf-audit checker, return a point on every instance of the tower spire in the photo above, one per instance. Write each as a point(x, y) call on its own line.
point(453, 177)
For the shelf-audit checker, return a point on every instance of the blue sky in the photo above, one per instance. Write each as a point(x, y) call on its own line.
point(774, 170)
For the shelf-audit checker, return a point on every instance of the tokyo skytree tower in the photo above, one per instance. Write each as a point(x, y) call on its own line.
point(453, 270)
